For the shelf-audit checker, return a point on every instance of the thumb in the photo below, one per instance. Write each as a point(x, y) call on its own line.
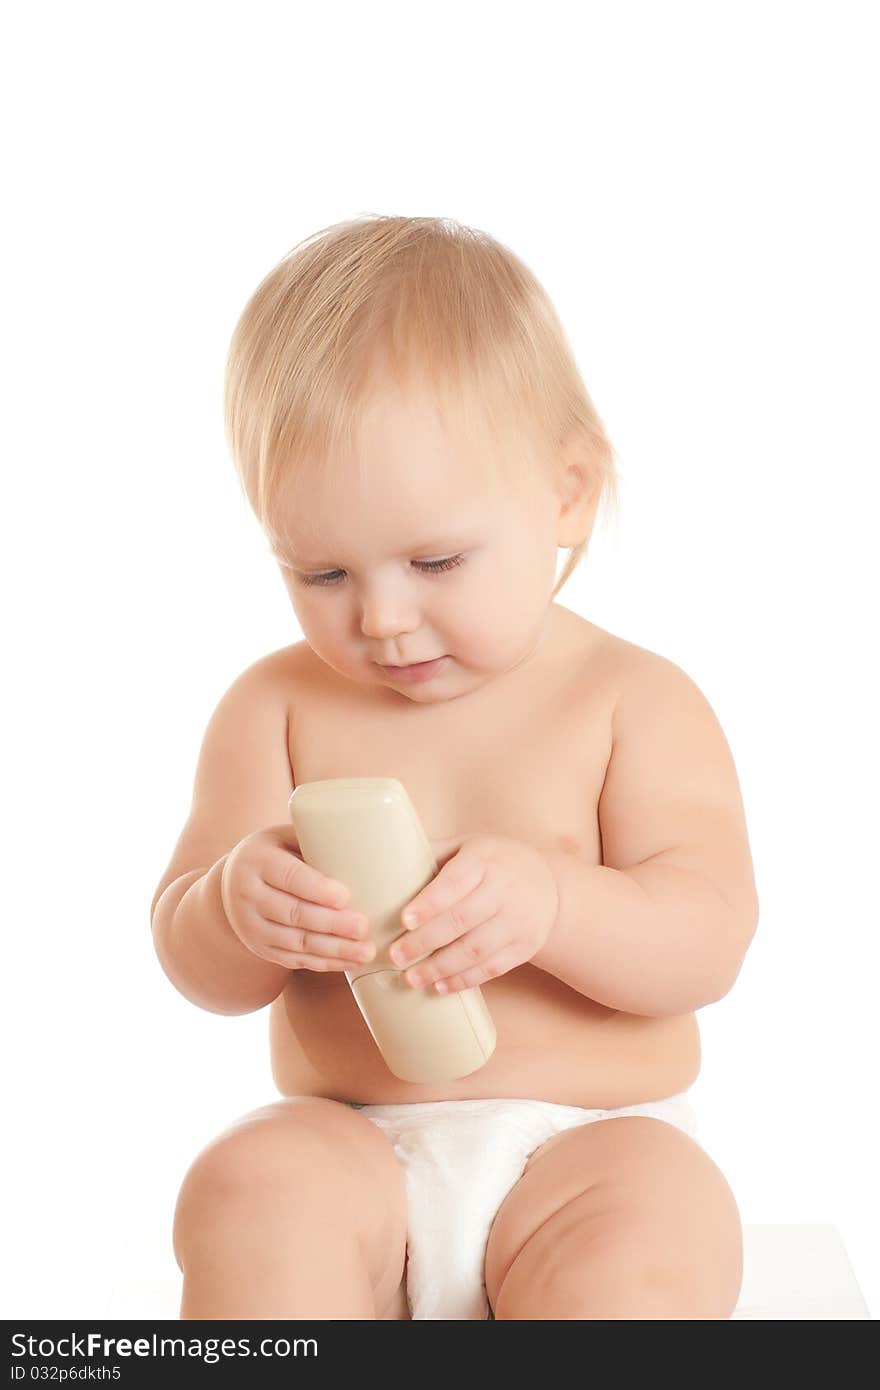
point(286, 835)
point(443, 850)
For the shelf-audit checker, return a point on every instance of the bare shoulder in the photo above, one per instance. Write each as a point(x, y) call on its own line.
point(651, 687)
point(632, 676)
point(281, 663)
point(296, 662)
point(243, 777)
point(261, 690)
point(279, 674)
point(671, 788)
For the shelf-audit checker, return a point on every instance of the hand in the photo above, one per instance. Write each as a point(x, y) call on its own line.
point(287, 912)
point(490, 907)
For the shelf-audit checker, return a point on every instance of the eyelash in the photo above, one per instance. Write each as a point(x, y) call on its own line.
point(428, 566)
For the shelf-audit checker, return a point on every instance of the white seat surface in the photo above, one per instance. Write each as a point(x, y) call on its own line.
point(793, 1273)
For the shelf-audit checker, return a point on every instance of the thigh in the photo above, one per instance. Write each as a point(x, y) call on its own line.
point(632, 1200)
point(305, 1148)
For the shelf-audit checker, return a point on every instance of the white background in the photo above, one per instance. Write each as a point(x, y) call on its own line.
point(696, 187)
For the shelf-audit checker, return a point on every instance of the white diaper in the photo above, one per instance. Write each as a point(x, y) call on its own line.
point(461, 1158)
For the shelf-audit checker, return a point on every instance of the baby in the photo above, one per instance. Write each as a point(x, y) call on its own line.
point(415, 439)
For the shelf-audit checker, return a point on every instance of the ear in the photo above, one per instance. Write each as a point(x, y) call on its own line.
point(578, 490)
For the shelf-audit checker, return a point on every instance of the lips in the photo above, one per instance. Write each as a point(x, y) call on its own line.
point(418, 671)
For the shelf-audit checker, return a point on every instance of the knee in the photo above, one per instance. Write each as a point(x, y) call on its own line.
point(629, 1278)
point(622, 1276)
point(294, 1150)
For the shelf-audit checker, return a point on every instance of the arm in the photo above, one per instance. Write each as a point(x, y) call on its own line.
point(200, 953)
point(662, 925)
point(243, 783)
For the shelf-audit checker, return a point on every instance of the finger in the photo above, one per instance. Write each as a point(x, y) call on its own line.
point(489, 969)
point(302, 943)
point(443, 850)
point(289, 911)
point(457, 878)
point(461, 918)
point(285, 834)
point(304, 960)
point(290, 874)
point(465, 953)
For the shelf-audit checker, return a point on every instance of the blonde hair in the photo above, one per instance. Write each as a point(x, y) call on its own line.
point(427, 298)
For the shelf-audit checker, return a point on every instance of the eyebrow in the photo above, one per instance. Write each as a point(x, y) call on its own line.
point(439, 545)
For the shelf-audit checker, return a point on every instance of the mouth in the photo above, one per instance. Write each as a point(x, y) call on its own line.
point(418, 671)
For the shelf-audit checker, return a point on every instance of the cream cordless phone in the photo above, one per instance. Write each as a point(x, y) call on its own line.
point(365, 833)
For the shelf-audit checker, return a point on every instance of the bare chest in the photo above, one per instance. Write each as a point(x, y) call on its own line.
point(530, 765)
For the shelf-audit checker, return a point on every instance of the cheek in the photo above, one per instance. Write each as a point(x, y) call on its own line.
point(519, 604)
point(327, 623)
point(321, 623)
point(491, 622)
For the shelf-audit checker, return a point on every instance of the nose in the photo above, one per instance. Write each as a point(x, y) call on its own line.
point(387, 612)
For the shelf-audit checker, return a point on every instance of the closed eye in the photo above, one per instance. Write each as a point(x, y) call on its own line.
point(424, 566)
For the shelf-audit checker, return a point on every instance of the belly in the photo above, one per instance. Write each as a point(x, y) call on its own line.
point(553, 1044)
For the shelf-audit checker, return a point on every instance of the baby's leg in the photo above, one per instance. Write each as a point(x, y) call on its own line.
point(623, 1218)
point(298, 1210)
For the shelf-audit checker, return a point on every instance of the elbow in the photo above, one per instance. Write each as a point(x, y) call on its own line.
point(717, 983)
point(750, 916)
point(238, 1011)
point(727, 977)
point(213, 1000)
point(747, 926)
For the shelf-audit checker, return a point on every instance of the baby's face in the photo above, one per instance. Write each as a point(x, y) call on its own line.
point(422, 547)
